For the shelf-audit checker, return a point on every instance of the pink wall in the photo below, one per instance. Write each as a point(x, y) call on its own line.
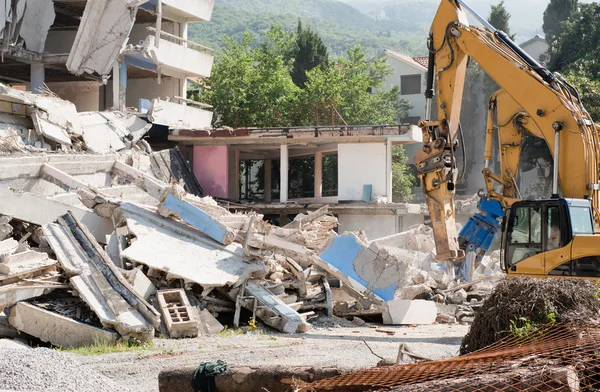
point(211, 169)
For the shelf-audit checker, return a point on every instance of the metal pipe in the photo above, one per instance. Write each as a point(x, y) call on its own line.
point(555, 171)
point(481, 19)
point(429, 89)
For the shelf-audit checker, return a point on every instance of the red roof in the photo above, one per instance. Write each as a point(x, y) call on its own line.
point(423, 60)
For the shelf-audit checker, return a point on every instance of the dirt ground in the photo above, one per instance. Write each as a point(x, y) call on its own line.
point(328, 344)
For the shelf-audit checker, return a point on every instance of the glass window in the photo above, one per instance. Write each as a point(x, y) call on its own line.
point(525, 234)
point(581, 220)
point(410, 84)
point(553, 238)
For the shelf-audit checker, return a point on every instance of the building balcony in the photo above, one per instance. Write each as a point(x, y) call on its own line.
point(184, 10)
point(178, 57)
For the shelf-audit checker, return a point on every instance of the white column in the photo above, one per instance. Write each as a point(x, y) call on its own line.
point(389, 171)
point(37, 78)
point(318, 174)
point(115, 86)
point(268, 171)
point(283, 174)
point(183, 82)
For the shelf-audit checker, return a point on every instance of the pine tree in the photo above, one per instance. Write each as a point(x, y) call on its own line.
point(308, 53)
point(499, 18)
point(557, 12)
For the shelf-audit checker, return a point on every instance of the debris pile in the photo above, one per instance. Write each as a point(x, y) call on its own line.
point(524, 304)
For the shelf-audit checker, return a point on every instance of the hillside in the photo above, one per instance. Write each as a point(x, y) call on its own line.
point(526, 16)
point(340, 25)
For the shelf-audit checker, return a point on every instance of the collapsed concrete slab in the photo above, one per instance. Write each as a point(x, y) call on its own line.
point(98, 282)
point(55, 329)
point(197, 218)
point(101, 36)
point(105, 132)
point(19, 205)
point(183, 252)
point(378, 268)
point(38, 16)
point(177, 116)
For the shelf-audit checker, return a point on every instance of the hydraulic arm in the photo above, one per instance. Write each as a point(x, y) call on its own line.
point(531, 98)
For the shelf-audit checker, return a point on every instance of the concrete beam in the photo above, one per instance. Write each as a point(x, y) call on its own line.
point(40, 211)
point(55, 329)
point(62, 178)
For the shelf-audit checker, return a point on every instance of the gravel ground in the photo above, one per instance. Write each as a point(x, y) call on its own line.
point(338, 345)
point(42, 369)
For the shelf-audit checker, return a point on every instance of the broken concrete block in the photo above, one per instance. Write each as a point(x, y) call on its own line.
point(272, 310)
point(24, 262)
point(444, 318)
point(198, 219)
point(103, 31)
point(55, 329)
point(37, 19)
point(8, 247)
point(208, 325)
point(406, 312)
point(18, 205)
point(173, 247)
point(141, 284)
point(98, 282)
point(178, 315)
point(458, 297)
point(413, 291)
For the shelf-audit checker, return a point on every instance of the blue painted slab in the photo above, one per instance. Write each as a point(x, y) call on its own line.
point(196, 218)
point(342, 253)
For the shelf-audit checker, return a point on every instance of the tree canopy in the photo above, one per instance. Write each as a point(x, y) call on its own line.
point(499, 18)
point(309, 52)
point(557, 12)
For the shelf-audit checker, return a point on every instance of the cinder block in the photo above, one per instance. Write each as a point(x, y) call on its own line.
point(177, 313)
point(405, 312)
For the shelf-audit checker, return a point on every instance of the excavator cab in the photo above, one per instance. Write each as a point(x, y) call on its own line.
point(538, 236)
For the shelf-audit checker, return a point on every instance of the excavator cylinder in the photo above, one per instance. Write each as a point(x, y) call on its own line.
point(556, 155)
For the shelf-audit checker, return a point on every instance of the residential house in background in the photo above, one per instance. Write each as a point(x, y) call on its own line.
point(536, 47)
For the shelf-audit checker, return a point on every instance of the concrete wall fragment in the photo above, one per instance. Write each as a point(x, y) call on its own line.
point(102, 33)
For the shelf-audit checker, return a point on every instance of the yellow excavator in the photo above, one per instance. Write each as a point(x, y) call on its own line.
point(555, 237)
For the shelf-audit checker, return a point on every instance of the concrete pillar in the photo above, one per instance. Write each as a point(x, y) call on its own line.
point(283, 174)
point(122, 86)
point(233, 184)
point(37, 78)
point(389, 176)
point(318, 174)
point(183, 82)
point(268, 167)
point(115, 85)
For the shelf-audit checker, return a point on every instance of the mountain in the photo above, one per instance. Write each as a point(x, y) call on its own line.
point(340, 25)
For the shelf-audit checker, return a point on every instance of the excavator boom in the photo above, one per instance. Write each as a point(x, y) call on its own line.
point(536, 101)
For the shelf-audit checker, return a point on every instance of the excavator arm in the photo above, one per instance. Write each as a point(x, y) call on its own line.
point(544, 101)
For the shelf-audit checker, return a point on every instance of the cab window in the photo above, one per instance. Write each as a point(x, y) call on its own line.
point(553, 233)
point(525, 234)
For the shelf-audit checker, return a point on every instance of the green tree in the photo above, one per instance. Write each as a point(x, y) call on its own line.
point(578, 47)
point(403, 180)
point(556, 13)
point(308, 52)
point(232, 77)
point(499, 18)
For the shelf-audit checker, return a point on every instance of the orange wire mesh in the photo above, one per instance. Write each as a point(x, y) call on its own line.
point(550, 358)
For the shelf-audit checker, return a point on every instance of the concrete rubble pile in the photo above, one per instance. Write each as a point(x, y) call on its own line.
point(402, 272)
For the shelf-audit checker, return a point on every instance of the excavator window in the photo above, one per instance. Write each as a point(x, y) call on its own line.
point(553, 232)
point(524, 234)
